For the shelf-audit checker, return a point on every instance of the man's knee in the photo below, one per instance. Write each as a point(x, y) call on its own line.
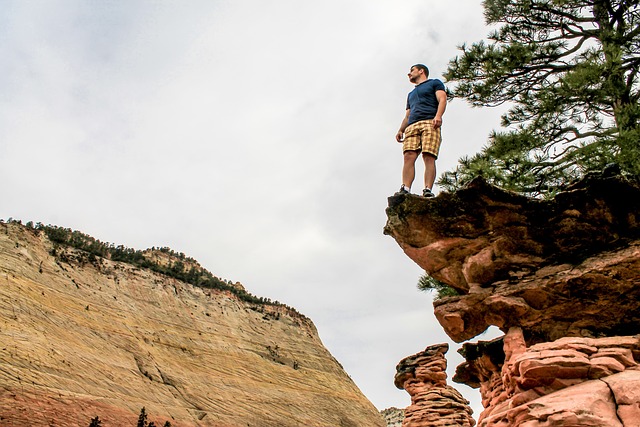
point(410, 156)
point(429, 158)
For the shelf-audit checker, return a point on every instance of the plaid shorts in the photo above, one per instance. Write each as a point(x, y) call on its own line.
point(422, 136)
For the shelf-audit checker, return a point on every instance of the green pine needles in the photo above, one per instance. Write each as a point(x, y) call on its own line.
point(428, 283)
point(568, 69)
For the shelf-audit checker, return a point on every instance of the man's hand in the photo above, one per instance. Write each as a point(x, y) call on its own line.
point(437, 122)
point(403, 126)
point(441, 95)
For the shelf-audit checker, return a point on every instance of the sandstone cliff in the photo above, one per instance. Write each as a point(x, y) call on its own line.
point(84, 336)
point(561, 279)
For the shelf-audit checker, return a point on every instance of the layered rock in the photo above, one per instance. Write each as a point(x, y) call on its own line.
point(527, 262)
point(560, 277)
point(83, 336)
point(524, 386)
point(433, 402)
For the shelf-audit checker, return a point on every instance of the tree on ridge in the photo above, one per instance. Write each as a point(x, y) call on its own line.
point(568, 69)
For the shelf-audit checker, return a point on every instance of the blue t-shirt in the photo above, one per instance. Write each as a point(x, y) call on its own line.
point(422, 100)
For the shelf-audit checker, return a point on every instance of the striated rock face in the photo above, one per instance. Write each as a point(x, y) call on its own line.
point(83, 337)
point(561, 279)
point(433, 402)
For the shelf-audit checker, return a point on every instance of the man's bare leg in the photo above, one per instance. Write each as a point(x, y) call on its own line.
point(429, 170)
point(409, 168)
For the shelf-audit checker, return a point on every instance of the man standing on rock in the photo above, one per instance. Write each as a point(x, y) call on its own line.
point(420, 128)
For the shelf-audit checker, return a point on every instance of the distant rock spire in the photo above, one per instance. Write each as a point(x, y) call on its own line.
point(433, 402)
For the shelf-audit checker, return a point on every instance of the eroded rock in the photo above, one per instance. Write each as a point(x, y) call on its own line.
point(569, 382)
point(561, 279)
point(488, 234)
point(562, 267)
point(433, 402)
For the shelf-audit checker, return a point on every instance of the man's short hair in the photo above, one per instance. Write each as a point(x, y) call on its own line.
point(423, 68)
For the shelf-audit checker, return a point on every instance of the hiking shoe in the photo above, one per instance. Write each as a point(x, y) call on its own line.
point(402, 190)
point(427, 193)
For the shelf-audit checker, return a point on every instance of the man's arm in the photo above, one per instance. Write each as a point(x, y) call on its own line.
point(441, 96)
point(403, 126)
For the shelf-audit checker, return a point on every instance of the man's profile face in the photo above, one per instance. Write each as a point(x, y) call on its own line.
point(414, 74)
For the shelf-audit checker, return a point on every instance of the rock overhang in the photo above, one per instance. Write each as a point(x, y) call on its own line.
point(560, 267)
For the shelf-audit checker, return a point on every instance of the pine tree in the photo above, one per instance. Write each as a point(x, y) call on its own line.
point(428, 283)
point(96, 422)
point(142, 418)
point(568, 69)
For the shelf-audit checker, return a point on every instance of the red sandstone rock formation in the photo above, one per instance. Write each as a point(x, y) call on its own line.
point(567, 382)
point(560, 277)
point(433, 402)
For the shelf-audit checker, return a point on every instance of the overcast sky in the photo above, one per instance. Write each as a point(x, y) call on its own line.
point(255, 136)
